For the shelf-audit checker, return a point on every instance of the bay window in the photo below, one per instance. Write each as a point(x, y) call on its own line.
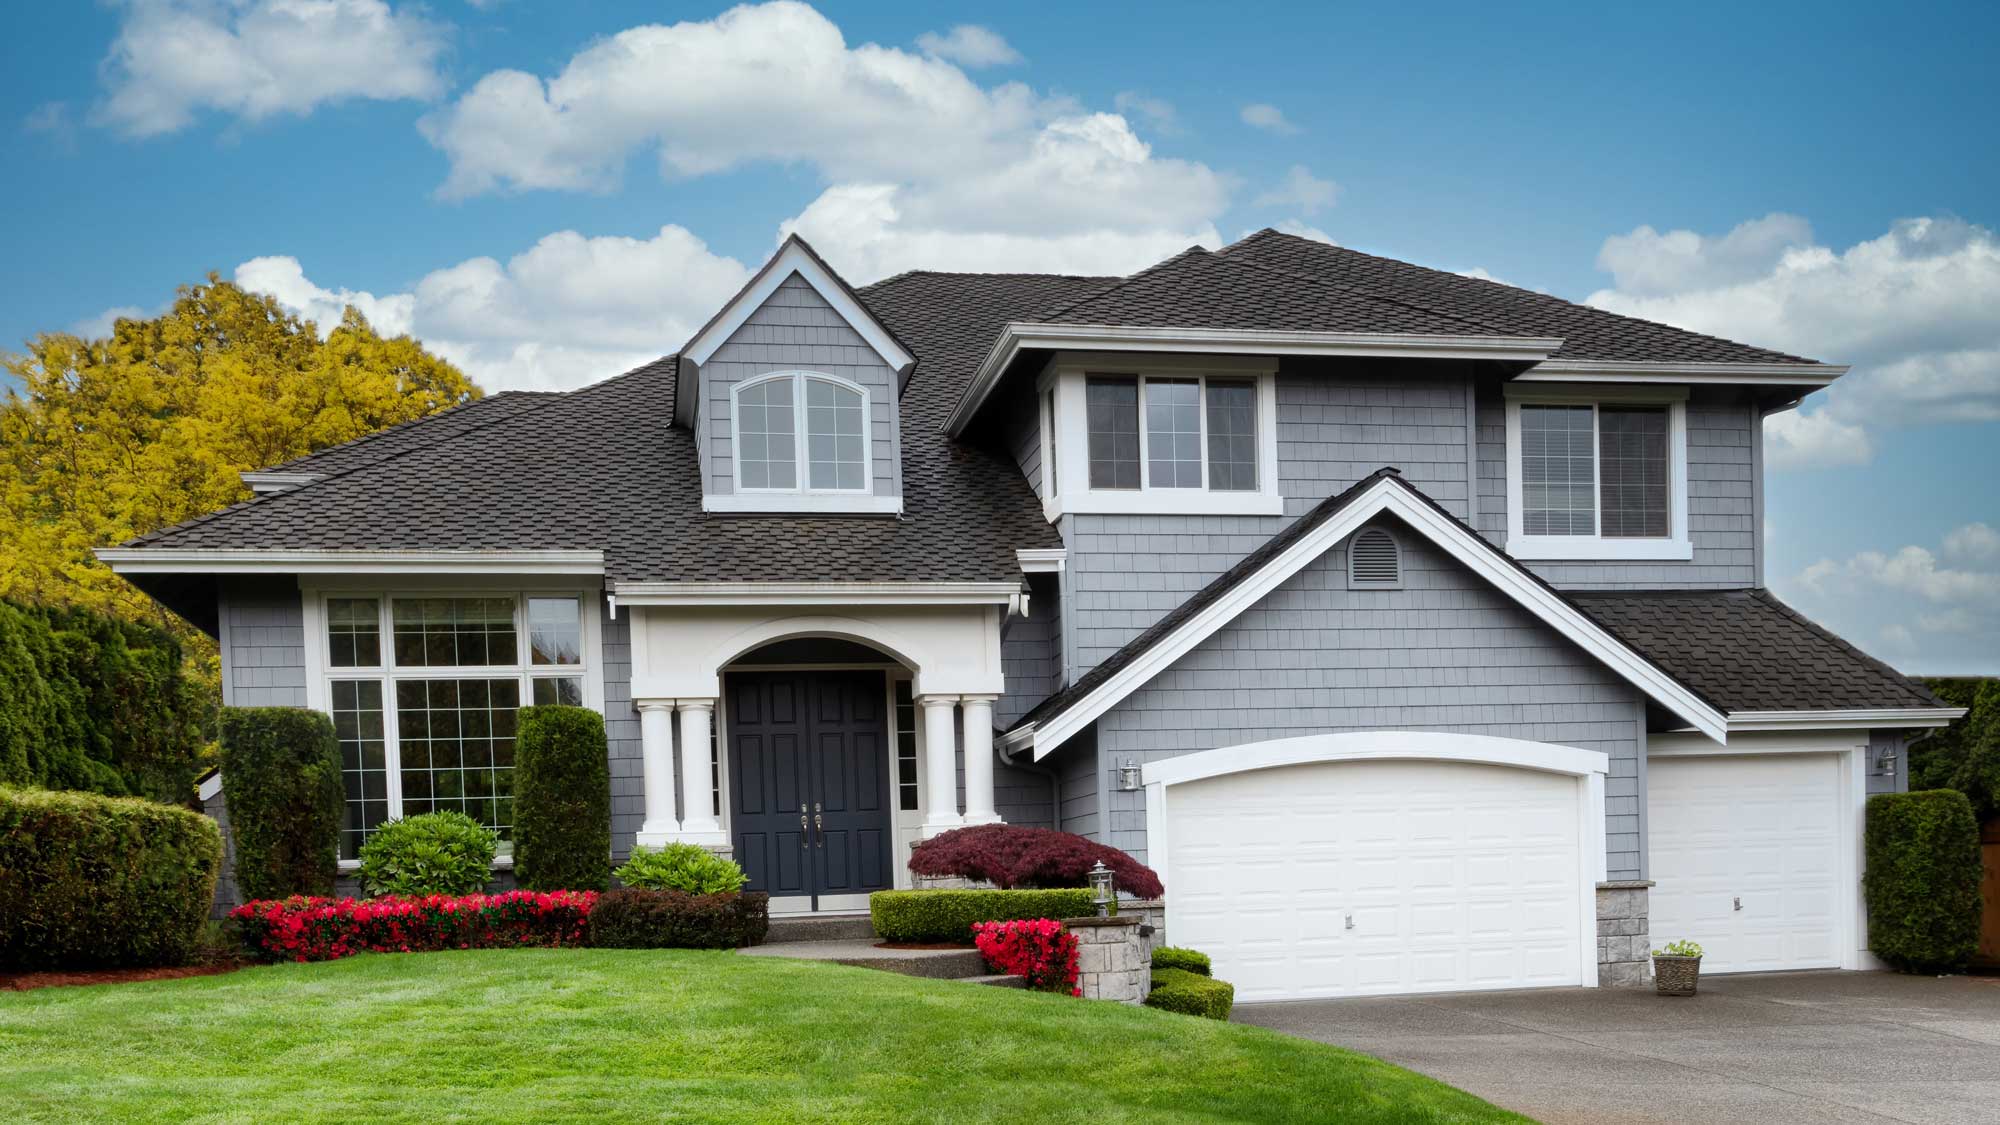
point(1177, 437)
point(426, 722)
point(1597, 475)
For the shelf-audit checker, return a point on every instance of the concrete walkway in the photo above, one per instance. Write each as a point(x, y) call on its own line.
point(1769, 1049)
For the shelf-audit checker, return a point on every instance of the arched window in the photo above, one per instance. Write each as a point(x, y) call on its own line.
point(1374, 561)
point(800, 431)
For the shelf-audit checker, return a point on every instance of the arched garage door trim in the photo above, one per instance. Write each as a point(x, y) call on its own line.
point(1587, 767)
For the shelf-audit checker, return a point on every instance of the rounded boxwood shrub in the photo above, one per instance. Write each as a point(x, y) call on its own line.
point(682, 867)
point(939, 916)
point(637, 918)
point(1188, 960)
point(562, 800)
point(89, 881)
point(1191, 994)
point(1009, 856)
point(440, 853)
point(1923, 879)
point(281, 783)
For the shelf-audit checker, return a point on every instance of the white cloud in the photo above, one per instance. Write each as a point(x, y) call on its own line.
point(1301, 189)
point(1267, 117)
point(1944, 613)
point(255, 59)
point(1911, 310)
point(969, 45)
point(100, 326)
point(1300, 227)
point(1793, 440)
point(1156, 112)
point(1897, 636)
point(1973, 543)
point(1480, 273)
point(568, 311)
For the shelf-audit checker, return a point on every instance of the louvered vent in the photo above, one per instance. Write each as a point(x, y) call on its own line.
point(1374, 561)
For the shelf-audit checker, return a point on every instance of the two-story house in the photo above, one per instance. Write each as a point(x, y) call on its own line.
point(1413, 627)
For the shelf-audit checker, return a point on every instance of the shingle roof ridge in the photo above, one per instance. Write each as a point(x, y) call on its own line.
point(1364, 293)
point(1128, 279)
point(1022, 274)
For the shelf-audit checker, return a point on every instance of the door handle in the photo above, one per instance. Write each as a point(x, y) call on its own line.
point(805, 832)
point(820, 826)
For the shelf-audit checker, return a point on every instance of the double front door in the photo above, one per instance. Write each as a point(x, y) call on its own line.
point(809, 786)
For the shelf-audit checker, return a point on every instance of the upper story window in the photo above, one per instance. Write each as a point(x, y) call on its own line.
point(800, 431)
point(1173, 437)
point(1597, 475)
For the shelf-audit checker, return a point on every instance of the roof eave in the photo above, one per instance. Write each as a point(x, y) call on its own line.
point(1852, 719)
point(230, 560)
point(1735, 374)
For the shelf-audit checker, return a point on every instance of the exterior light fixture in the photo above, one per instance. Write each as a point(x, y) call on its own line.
point(1128, 776)
point(1100, 888)
point(1885, 760)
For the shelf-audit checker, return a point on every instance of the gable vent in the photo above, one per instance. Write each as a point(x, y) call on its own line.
point(1374, 561)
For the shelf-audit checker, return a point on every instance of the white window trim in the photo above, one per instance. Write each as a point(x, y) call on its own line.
point(1676, 546)
point(321, 673)
point(1073, 492)
point(802, 497)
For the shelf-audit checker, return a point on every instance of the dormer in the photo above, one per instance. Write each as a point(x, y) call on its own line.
point(792, 391)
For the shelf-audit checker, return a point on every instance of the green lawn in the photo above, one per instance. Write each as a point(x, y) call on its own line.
point(634, 1035)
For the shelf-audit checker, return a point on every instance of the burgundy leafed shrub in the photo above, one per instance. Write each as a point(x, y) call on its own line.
point(1008, 856)
point(322, 929)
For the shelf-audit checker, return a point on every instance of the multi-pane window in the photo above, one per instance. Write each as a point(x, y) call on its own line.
point(1198, 432)
point(1558, 476)
point(906, 747)
point(1596, 470)
point(1632, 470)
point(772, 440)
point(426, 723)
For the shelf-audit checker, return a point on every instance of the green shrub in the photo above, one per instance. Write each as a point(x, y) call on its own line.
point(1174, 957)
point(281, 782)
point(636, 918)
point(440, 853)
point(939, 916)
point(562, 800)
point(682, 867)
point(90, 881)
point(1923, 880)
point(1191, 994)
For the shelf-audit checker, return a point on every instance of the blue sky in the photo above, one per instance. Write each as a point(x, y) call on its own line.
point(547, 191)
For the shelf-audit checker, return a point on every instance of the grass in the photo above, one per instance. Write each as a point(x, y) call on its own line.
point(644, 1035)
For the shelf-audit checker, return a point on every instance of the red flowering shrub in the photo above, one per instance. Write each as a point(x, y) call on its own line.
point(1009, 856)
point(1036, 948)
point(321, 929)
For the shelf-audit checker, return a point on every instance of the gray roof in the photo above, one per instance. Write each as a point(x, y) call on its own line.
point(1587, 333)
point(405, 436)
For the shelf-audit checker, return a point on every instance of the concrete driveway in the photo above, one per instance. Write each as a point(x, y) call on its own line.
point(1771, 1048)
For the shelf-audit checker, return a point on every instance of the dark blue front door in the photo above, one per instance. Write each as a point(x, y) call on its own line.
point(809, 782)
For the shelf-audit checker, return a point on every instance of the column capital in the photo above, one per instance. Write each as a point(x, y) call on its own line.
point(979, 699)
point(697, 704)
point(938, 699)
point(644, 705)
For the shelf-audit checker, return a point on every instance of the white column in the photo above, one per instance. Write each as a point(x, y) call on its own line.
point(698, 822)
point(656, 751)
point(978, 717)
point(940, 764)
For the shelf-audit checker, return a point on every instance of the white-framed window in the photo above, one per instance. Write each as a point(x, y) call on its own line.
point(1597, 474)
point(1190, 435)
point(801, 432)
point(424, 687)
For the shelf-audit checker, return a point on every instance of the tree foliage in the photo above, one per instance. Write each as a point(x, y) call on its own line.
point(108, 439)
point(1965, 755)
point(281, 783)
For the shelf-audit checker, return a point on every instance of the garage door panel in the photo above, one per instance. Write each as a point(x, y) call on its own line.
point(1453, 875)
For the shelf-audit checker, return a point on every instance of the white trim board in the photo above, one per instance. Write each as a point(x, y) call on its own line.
point(813, 593)
point(177, 560)
point(1729, 374)
point(1862, 719)
point(1387, 495)
point(1676, 545)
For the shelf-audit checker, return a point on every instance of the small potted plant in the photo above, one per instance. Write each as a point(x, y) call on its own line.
point(1676, 968)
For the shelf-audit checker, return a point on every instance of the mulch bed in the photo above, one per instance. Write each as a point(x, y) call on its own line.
point(21, 982)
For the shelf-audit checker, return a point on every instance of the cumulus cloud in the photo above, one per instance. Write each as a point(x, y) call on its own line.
point(568, 311)
point(1911, 310)
point(1793, 440)
point(1973, 543)
point(255, 59)
point(1158, 113)
point(1945, 611)
point(1271, 119)
point(100, 326)
point(969, 45)
point(1302, 190)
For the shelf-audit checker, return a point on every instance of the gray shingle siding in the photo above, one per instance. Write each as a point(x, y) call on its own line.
point(796, 330)
point(1077, 774)
point(263, 642)
point(1445, 652)
point(621, 731)
point(1028, 658)
point(1898, 779)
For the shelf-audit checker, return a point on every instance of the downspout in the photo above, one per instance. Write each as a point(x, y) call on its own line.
point(1032, 766)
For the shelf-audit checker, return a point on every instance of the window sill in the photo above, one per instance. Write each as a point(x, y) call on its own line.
point(1165, 502)
point(805, 503)
point(1582, 548)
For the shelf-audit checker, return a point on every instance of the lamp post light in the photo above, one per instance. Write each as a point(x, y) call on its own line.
point(1100, 888)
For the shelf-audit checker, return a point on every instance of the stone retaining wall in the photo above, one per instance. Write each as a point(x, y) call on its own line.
point(1113, 962)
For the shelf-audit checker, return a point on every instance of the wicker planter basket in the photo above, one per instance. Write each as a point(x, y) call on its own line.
point(1675, 976)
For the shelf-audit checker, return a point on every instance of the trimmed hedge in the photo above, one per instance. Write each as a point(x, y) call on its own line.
point(281, 782)
point(1191, 994)
point(1174, 957)
point(562, 800)
point(89, 881)
point(940, 916)
point(635, 918)
point(1923, 879)
point(440, 853)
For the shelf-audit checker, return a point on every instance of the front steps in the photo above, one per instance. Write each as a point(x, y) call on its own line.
point(820, 927)
point(850, 940)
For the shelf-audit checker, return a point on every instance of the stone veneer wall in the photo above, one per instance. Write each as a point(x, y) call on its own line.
point(1111, 958)
point(1624, 947)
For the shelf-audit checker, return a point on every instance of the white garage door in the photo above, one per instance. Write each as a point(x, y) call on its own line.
point(1746, 860)
point(1357, 878)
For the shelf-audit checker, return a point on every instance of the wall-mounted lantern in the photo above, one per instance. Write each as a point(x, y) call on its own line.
point(1100, 888)
point(1128, 776)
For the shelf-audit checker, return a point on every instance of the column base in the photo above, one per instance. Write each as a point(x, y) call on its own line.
point(984, 818)
point(657, 834)
point(933, 827)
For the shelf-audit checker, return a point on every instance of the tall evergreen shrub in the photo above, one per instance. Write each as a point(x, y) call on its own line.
point(1923, 878)
point(562, 800)
point(281, 780)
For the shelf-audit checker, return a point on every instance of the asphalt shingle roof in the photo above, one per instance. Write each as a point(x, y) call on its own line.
point(398, 439)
